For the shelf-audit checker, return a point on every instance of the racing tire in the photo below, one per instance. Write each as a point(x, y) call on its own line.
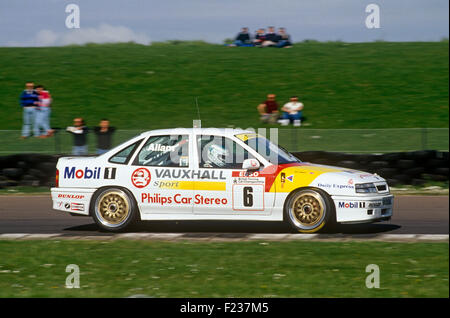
point(348, 164)
point(13, 173)
point(309, 210)
point(374, 165)
point(114, 209)
point(387, 172)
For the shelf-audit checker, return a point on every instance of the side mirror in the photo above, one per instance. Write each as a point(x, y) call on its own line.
point(250, 164)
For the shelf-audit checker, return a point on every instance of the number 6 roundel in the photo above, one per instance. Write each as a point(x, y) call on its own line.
point(248, 197)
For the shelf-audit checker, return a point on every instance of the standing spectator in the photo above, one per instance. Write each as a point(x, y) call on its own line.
point(268, 110)
point(29, 100)
point(79, 131)
point(292, 111)
point(42, 118)
point(104, 136)
point(284, 39)
point(271, 38)
point(259, 37)
point(243, 38)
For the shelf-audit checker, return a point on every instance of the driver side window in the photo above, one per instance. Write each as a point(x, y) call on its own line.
point(164, 151)
point(220, 153)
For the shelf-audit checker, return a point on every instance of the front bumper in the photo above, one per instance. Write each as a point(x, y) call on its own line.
point(72, 200)
point(363, 209)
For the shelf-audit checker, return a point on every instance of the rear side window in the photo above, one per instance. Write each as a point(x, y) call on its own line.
point(123, 156)
point(164, 151)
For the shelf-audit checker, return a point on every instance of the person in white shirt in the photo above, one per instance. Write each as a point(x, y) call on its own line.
point(292, 111)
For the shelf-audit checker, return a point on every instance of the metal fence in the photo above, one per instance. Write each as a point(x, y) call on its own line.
point(365, 140)
point(300, 139)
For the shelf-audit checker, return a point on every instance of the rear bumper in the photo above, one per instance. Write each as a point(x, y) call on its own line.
point(72, 200)
point(363, 209)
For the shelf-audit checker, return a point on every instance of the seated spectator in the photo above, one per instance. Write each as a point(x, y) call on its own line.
point(268, 110)
point(271, 38)
point(284, 39)
point(292, 111)
point(259, 37)
point(243, 38)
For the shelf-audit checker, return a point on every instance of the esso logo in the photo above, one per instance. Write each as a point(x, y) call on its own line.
point(141, 178)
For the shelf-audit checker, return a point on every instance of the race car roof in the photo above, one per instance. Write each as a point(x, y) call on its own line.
point(204, 131)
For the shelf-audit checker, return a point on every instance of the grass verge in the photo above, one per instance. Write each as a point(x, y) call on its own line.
point(24, 190)
point(343, 85)
point(122, 268)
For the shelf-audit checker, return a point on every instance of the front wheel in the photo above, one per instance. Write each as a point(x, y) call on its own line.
point(309, 210)
point(113, 209)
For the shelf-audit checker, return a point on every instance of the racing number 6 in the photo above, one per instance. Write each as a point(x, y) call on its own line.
point(248, 196)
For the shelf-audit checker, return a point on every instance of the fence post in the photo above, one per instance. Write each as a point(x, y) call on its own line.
point(57, 143)
point(424, 138)
point(294, 141)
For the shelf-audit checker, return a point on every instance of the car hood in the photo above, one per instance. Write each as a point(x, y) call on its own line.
point(334, 180)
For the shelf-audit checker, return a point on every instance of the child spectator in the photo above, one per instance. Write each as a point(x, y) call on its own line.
point(79, 131)
point(292, 111)
point(268, 110)
point(104, 136)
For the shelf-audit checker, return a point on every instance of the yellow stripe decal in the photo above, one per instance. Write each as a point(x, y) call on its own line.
point(195, 185)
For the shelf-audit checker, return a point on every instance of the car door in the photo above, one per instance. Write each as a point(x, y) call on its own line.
point(227, 189)
point(159, 175)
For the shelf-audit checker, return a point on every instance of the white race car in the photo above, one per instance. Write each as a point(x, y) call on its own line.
point(215, 174)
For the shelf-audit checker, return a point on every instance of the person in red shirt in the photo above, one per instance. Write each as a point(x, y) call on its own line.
point(42, 119)
point(260, 37)
point(268, 110)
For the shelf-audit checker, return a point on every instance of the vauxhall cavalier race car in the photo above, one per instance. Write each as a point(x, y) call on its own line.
point(215, 174)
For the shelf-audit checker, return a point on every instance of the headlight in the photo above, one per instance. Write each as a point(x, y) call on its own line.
point(365, 188)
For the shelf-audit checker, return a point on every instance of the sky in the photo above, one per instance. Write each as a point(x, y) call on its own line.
point(43, 22)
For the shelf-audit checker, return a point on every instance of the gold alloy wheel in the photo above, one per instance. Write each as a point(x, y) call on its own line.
point(307, 209)
point(112, 207)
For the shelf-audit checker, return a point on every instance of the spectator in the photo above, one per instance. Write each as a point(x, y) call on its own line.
point(284, 39)
point(268, 110)
point(292, 111)
point(243, 38)
point(79, 131)
point(259, 37)
point(271, 38)
point(42, 118)
point(29, 100)
point(104, 136)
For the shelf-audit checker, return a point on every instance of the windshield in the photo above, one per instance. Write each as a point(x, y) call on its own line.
point(271, 152)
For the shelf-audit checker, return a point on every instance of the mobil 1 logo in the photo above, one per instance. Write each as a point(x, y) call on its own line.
point(110, 173)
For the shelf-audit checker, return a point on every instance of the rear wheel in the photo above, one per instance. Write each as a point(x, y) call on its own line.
point(114, 209)
point(309, 210)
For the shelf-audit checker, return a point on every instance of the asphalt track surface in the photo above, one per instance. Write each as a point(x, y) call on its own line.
point(34, 214)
